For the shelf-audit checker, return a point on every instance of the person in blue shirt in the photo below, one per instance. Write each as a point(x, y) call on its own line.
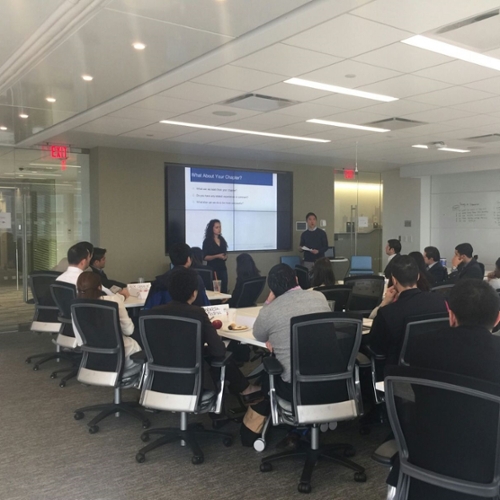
point(180, 256)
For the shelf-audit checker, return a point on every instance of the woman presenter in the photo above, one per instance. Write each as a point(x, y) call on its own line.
point(215, 252)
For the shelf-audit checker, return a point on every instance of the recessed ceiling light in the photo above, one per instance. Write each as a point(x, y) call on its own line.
point(453, 51)
point(139, 46)
point(23, 115)
point(350, 75)
point(87, 78)
point(242, 131)
point(3, 128)
point(340, 90)
point(421, 146)
point(50, 99)
point(453, 150)
point(348, 125)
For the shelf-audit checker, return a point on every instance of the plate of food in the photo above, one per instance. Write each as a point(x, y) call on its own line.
point(234, 327)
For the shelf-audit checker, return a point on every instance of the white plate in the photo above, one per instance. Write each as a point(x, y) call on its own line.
point(227, 330)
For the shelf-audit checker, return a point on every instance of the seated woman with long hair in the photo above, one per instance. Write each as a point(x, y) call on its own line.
point(494, 276)
point(245, 270)
point(89, 286)
point(322, 273)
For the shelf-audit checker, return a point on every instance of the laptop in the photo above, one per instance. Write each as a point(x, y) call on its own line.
point(330, 253)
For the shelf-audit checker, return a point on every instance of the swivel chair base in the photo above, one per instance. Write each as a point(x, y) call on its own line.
point(186, 434)
point(109, 409)
point(337, 453)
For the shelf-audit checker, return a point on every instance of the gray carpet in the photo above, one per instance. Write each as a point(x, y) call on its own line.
point(46, 454)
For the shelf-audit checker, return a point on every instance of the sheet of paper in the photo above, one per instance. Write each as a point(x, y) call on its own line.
point(362, 221)
point(306, 249)
point(5, 220)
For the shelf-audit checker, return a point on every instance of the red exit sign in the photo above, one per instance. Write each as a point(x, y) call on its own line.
point(59, 152)
point(349, 174)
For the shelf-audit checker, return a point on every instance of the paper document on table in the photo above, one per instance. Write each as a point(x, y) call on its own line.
point(217, 312)
point(306, 249)
point(241, 319)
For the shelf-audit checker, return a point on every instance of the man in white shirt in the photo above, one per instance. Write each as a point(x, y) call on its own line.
point(79, 256)
point(392, 249)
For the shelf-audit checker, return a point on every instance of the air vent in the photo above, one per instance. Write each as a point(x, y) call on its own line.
point(395, 123)
point(258, 102)
point(478, 33)
point(484, 138)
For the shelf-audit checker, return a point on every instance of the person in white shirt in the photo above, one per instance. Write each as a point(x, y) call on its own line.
point(88, 286)
point(79, 256)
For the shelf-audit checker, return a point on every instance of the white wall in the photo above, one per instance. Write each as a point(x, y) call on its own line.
point(401, 202)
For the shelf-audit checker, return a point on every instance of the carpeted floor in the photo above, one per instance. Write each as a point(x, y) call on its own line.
point(47, 455)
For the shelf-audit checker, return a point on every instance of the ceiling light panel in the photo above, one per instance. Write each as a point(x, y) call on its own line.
point(241, 131)
point(453, 150)
point(340, 90)
point(453, 51)
point(348, 125)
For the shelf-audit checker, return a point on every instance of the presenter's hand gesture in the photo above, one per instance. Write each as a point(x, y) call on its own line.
point(314, 251)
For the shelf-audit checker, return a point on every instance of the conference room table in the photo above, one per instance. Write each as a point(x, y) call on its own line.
point(132, 302)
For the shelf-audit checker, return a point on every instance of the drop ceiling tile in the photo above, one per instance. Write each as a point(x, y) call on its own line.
point(399, 108)
point(198, 92)
point(355, 117)
point(237, 78)
point(169, 104)
point(405, 86)
point(344, 101)
point(242, 141)
point(438, 115)
point(402, 57)
point(491, 85)
point(230, 18)
point(156, 132)
point(457, 72)
point(298, 129)
point(264, 121)
point(423, 15)
point(112, 126)
point(485, 106)
point(341, 36)
point(208, 111)
point(286, 60)
point(336, 74)
point(205, 136)
point(451, 96)
point(475, 121)
point(208, 119)
point(133, 113)
point(309, 110)
point(292, 92)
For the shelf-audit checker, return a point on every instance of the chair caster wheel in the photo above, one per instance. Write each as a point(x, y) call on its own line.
point(53, 375)
point(78, 415)
point(259, 445)
point(227, 442)
point(266, 467)
point(140, 458)
point(62, 385)
point(93, 429)
point(35, 368)
point(146, 424)
point(145, 437)
point(197, 459)
point(304, 488)
point(364, 431)
point(27, 361)
point(349, 452)
point(360, 477)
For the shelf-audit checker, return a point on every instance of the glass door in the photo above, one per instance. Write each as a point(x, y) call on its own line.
point(358, 216)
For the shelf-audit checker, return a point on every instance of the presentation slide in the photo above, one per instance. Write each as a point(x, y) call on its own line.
point(246, 203)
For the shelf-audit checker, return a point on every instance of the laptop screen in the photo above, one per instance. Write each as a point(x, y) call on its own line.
point(330, 253)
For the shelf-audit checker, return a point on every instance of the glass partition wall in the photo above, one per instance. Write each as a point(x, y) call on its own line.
point(44, 209)
point(358, 217)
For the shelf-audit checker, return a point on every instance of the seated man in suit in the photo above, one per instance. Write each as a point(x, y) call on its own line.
point(387, 332)
point(435, 269)
point(180, 256)
point(467, 347)
point(467, 267)
point(183, 285)
point(97, 264)
point(393, 250)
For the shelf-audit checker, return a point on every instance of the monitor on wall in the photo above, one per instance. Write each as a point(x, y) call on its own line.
point(254, 206)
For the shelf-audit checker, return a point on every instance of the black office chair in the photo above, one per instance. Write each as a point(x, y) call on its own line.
point(46, 313)
point(174, 351)
point(103, 364)
point(367, 292)
point(250, 292)
point(444, 290)
point(447, 429)
point(324, 376)
point(63, 295)
point(303, 277)
point(340, 294)
point(207, 275)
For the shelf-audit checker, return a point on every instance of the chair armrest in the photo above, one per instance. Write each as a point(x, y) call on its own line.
point(386, 453)
point(272, 366)
point(373, 354)
point(138, 357)
point(220, 362)
point(363, 360)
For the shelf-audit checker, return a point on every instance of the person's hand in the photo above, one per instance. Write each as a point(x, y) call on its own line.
point(269, 347)
point(314, 251)
point(124, 292)
point(270, 297)
point(456, 261)
point(391, 295)
point(490, 275)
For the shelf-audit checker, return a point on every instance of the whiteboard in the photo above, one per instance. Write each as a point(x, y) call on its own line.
point(467, 217)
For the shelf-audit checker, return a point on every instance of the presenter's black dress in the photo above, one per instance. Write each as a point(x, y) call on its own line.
point(217, 265)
